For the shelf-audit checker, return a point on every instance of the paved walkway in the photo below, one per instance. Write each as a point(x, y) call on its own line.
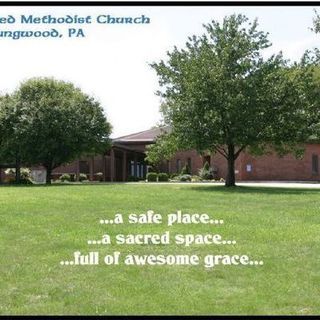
point(274, 184)
point(295, 184)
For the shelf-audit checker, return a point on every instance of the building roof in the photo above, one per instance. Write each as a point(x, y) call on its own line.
point(147, 136)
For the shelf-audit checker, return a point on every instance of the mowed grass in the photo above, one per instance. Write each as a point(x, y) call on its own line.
point(40, 226)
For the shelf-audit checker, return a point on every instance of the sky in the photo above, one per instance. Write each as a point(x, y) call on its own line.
point(111, 62)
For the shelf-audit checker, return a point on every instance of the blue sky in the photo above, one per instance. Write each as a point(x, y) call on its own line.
point(111, 63)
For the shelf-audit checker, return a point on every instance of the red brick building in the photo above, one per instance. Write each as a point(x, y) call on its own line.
point(261, 168)
point(126, 160)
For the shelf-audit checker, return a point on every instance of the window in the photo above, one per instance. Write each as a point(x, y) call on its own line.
point(315, 164)
point(178, 165)
point(189, 164)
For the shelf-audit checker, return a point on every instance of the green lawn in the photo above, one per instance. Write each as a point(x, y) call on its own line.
point(40, 226)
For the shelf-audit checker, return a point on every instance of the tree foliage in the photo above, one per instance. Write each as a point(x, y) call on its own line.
point(222, 95)
point(53, 123)
point(163, 149)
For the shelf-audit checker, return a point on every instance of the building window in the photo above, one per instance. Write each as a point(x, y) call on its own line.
point(189, 164)
point(178, 165)
point(315, 164)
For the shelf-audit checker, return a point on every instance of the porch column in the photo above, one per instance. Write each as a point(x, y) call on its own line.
point(91, 169)
point(124, 166)
point(135, 165)
point(144, 170)
point(111, 165)
point(77, 170)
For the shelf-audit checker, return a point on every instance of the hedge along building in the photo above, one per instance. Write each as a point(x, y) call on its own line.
point(126, 160)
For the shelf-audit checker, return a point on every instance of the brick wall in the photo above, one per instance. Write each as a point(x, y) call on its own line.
point(272, 167)
point(196, 161)
point(267, 167)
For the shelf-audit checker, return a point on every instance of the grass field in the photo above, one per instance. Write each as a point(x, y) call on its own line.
point(40, 226)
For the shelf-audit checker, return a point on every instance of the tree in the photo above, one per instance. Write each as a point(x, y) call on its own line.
point(316, 22)
point(221, 95)
point(163, 149)
point(58, 123)
point(11, 149)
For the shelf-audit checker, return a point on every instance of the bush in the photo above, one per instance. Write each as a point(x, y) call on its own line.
point(82, 177)
point(195, 179)
point(163, 177)
point(25, 173)
point(152, 176)
point(133, 179)
point(25, 176)
point(206, 166)
point(206, 173)
point(65, 177)
point(10, 171)
point(185, 177)
point(99, 176)
point(185, 170)
point(26, 181)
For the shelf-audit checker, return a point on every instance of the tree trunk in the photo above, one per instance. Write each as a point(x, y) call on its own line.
point(49, 172)
point(18, 171)
point(231, 179)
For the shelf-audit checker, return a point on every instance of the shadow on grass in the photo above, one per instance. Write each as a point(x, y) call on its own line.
point(201, 188)
point(259, 190)
point(4, 185)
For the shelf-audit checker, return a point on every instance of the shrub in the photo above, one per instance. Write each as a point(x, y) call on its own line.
point(185, 170)
point(10, 171)
point(133, 179)
point(99, 176)
point(25, 176)
point(25, 173)
point(82, 177)
point(152, 176)
point(185, 177)
point(206, 173)
point(65, 177)
point(195, 179)
point(26, 181)
point(163, 177)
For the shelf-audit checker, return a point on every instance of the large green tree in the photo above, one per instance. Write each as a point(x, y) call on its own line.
point(58, 123)
point(222, 95)
point(11, 148)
